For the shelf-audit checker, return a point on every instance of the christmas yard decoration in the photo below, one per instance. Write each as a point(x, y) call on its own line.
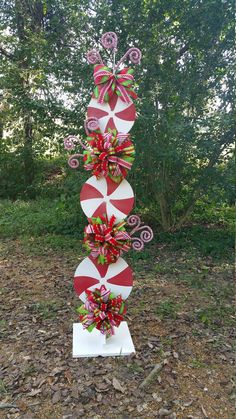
point(104, 196)
point(118, 277)
point(115, 114)
point(103, 280)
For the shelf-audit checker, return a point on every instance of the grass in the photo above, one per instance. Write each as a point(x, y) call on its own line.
point(3, 389)
point(168, 309)
point(54, 217)
point(197, 363)
point(39, 217)
point(135, 368)
point(208, 240)
point(216, 315)
point(56, 242)
point(46, 309)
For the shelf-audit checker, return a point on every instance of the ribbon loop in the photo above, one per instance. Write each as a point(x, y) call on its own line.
point(106, 240)
point(109, 83)
point(110, 154)
point(102, 310)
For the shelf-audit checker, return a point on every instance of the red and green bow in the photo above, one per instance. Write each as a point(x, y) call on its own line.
point(110, 154)
point(109, 83)
point(105, 239)
point(102, 310)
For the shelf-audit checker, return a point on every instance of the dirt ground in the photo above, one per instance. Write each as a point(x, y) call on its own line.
point(173, 322)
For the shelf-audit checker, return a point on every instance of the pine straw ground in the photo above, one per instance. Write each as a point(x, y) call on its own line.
point(180, 313)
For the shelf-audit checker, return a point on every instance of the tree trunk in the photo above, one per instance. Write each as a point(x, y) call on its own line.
point(28, 151)
point(29, 20)
point(166, 218)
point(1, 132)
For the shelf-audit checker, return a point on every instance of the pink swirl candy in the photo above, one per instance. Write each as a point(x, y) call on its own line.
point(137, 244)
point(135, 55)
point(91, 124)
point(134, 220)
point(109, 40)
point(94, 57)
point(147, 234)
point(73, 161)
point(69, 142)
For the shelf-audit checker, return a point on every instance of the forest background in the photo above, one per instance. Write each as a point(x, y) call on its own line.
point(185, 129)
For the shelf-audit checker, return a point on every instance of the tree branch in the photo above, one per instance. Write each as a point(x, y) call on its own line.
point(6, 54)
point(183, 50)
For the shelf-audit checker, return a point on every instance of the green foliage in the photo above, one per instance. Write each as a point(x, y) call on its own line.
point(46, 309)
point(38, 217)
point(185, 129)
point(3, 388)
point(198, 363)
point(168, 309)
point(217, 315)
point(210, 240)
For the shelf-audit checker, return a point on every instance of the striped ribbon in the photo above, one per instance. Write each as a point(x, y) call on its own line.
point(105, 240)
point(102, 310)
point(110, 154)
point(109, 83)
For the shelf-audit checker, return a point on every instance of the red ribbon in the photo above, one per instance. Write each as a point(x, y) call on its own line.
point(109, 154)
point(106, 239)
point(102, 310)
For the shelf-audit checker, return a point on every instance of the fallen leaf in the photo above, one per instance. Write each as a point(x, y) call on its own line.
point(68, 376)
point(156, 397)
point(116, 384)
point(56, 397)
point(101, 387)
point(57, 370)
point(22, 405)
point(163, 412)
point(34, 392)
point(204, 412)
point(99, 397)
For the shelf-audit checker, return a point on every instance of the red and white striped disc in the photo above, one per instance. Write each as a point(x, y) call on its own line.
point(118, 277)
point(105, 197)
point(115, 114)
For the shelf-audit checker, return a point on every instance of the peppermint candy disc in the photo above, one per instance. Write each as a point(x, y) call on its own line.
point(118, 277)
point(115, 114)
point(105, 197)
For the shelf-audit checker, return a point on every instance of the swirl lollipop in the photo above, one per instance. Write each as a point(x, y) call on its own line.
point(94, 57)
point(146, 234)
point(109, 40)
point(91, 124)
point(69, 142)
point(73, 161)
point(134, 55)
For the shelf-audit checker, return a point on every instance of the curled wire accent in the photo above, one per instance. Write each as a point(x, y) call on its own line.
point(91, 124)
point(73, 161)
point(134, 55)
point(109, 40)
point(69, 142)
point(94, 57)
point(137, 244)
point(146, 234)
point(134, 221)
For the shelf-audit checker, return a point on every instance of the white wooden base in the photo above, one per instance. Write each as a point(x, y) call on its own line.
point(87, 344)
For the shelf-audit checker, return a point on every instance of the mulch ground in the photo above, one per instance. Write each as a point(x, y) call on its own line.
point(40, 379)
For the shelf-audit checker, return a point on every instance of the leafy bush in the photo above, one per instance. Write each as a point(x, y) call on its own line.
point(38, 217)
